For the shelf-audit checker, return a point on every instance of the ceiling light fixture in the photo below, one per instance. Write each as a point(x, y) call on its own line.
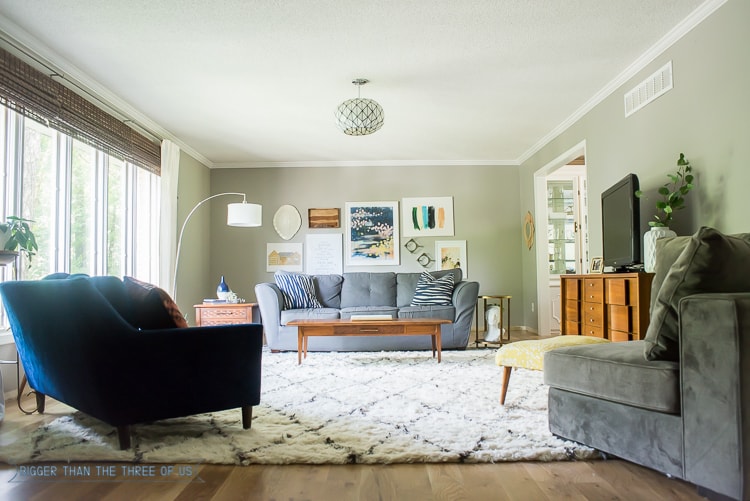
point(359, 117)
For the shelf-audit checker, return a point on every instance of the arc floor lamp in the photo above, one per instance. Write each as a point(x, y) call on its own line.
point(240, 214)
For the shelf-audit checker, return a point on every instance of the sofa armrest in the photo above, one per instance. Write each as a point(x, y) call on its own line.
point(465, 301)
point(715, 385)
point(270, 304)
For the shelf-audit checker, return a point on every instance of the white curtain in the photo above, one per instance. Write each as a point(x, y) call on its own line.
point(170, 173)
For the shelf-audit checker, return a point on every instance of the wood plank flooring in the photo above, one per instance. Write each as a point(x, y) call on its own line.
point(522, 481)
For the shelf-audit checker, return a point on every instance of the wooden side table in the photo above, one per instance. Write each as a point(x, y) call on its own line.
point(224, 313)
point(504, 303)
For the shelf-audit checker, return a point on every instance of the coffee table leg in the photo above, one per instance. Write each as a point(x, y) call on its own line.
point(439, 340)
point(300, 338)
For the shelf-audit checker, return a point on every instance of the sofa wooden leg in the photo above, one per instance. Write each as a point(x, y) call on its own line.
point(40, 401)
point(123, 435)
point(247, 416)
point(506, 380)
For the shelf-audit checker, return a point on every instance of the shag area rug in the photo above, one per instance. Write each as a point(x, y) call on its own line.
point(335, 408)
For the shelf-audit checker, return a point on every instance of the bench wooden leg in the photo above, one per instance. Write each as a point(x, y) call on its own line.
point(247, 416)
point(123, 437)
point(506, 380)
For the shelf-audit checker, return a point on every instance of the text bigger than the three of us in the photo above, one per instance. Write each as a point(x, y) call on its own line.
point(93, 472)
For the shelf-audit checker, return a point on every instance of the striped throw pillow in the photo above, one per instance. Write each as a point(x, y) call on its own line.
point(433, 291)
point(298, 290)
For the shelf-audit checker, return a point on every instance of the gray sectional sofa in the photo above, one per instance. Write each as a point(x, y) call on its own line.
point(383, 293)
point(679, 400)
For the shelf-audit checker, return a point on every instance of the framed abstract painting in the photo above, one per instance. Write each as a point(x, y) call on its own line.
point(427, 217)
point(372, 235)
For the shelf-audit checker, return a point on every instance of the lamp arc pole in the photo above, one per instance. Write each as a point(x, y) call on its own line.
point(182, 231)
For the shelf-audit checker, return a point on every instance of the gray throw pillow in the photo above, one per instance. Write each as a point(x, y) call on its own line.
point(667, 251)
point(710, 262)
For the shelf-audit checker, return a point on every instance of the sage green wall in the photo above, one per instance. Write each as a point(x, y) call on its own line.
point(193, 274)
point(485, 200)
point(706, 116)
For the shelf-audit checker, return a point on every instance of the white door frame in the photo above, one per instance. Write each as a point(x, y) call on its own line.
point(542, 242)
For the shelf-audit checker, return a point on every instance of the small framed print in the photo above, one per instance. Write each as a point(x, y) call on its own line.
point(596, 265)
point(450, 254)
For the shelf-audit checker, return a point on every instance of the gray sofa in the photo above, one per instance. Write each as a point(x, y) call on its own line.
point(676, 401)
point(385, 293)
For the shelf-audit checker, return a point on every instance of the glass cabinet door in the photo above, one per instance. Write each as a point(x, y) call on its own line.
point(562, 227)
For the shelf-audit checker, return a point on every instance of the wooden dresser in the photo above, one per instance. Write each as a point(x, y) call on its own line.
point(613, 306)
point(223, 313)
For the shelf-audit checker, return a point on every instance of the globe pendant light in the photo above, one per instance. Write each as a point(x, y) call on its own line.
point(359, 117)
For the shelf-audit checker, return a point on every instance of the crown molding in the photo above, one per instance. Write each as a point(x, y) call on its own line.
point(22, 44)
point(365, 163)
point(683, 28)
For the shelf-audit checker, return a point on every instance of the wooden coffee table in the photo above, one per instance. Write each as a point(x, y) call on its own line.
point(344, 327)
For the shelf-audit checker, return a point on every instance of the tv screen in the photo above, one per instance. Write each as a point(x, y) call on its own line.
point(621, 233)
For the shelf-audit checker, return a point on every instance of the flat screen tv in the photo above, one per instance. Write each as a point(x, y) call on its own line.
point(621, 225)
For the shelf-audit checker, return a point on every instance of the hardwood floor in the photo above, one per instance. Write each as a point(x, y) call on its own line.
point(575, 480)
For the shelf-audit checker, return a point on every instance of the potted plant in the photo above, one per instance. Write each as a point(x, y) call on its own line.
point(672, 198)
point(672, 193)
point(16, 235)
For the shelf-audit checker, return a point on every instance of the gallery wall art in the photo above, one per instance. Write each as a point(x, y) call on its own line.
point(372, 233)
point(323, 254)
point(284, 256)
point(451, 254)
point(323, 218)
point(427, 217)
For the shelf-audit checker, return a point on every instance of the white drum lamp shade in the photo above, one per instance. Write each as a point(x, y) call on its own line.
point(244, 215)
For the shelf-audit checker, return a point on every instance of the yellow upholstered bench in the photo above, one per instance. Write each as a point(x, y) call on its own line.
point(530, 354)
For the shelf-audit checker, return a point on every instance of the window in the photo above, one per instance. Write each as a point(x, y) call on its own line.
point(92, 213)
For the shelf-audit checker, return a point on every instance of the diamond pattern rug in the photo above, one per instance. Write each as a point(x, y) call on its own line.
point(335, 408)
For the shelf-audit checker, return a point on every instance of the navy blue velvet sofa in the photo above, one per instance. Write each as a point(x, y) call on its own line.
point(85, 342)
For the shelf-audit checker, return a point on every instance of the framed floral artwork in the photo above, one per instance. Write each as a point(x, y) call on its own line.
point(372, 233)
point(427, 217)
point(450, 254)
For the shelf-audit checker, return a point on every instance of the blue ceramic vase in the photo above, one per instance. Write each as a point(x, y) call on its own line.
point(222, 290)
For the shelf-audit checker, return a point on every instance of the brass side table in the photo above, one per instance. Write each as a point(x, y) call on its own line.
point(503, 301)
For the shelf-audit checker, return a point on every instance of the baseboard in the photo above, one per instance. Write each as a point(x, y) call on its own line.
point(524, 328)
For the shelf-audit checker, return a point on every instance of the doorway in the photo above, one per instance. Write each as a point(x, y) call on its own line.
point(562, 237)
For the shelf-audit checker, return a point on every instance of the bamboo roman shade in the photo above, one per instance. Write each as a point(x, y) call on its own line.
point(39, 97)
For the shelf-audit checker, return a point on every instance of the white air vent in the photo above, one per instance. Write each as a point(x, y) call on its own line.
point(648, 90)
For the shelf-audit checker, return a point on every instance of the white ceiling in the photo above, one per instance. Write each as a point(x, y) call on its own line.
point(255, 83)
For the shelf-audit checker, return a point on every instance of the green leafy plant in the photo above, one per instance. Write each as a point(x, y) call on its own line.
point(20, 237)
point(672, 193)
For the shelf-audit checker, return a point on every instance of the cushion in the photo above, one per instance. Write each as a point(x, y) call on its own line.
point(710, 262)
point(347, 312)
point(667, 251)
point(153, 307)
point(297, 289)
point(446, 312)
point(328, 290)
point(529, 354)
point(406, 284)
point(621, 375)
point(368, 289)
point(433, 291)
